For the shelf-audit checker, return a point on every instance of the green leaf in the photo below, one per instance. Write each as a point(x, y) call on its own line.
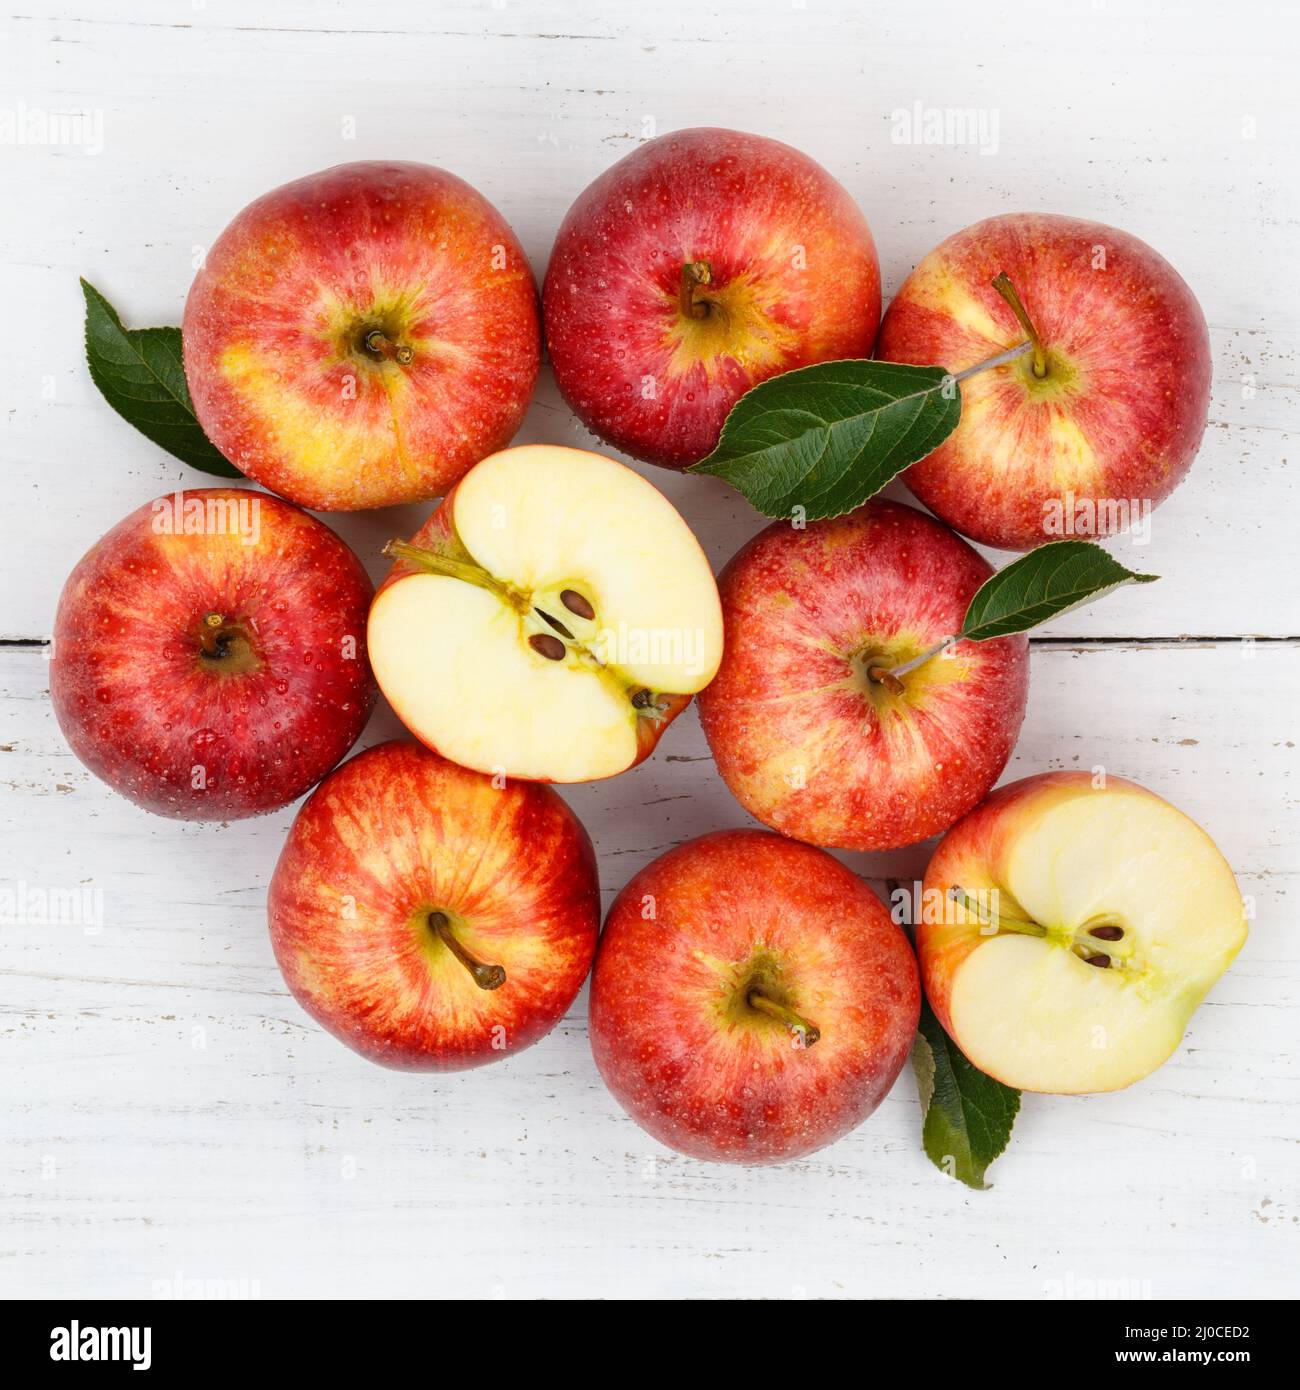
point(1045, 583)
point(968, 1116)
point(142, 376)
point(827, 437)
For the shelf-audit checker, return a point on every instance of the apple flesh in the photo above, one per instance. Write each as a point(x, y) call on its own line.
point(807, 730)
point(429, 918)
point(362, 336)
point(549, 621)
point(701, 264)
point(1071, 930)
point(1113, 421)
point(209, 654)
point(751, 1001)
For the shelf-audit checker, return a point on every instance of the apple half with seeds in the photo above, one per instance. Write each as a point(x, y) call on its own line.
point(1079, 928)
point(550, 619)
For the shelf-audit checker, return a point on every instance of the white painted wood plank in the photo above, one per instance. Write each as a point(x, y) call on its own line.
point(205, 108)
point(168, 1108)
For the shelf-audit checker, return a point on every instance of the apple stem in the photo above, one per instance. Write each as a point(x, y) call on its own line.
point(887, 678)
point(435, 562)
point(807, 1033)
point(485, 976)
point(1002, 283)
point(210, 639)
point(998, 920)
point(892, 678)
point(694, 275)
point(381, 345)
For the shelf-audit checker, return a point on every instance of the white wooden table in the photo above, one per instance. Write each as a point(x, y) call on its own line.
point(168, 1113)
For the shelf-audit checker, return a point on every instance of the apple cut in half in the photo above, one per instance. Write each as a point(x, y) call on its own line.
point(1069, 931)
point(550, 619)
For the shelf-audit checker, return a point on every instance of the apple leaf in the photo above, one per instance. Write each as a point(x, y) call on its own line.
point(968, 1115)
point(1044, 584)
point(141, 375)
point(825, 438)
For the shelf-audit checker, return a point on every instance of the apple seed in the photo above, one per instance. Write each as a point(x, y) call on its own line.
point(555, 623)
point(576, 604)
point(546, 645)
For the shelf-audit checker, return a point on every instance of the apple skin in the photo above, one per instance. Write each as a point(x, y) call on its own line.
point(1122, 410)
point(795, 280)
point(974, 856)
point(281, 381)
point(439, 533)
point(672, 1037)
point(142, 707)
point(399, 832)
point(791, 703)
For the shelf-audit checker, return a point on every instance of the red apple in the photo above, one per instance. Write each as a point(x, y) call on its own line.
point(1111, 423)
point(808, 729)
point(1071, 926)
point(361, 336)
point(549, 621)
point(701, 264)
point(752, 1001)
point(430, 917)
point(209, 654)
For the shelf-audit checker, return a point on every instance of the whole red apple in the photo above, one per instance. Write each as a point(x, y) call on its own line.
point(701, 264)
point(361, 336)
point(807, 725)
point(751, 1001)
point(1071, 925)
point(209, 654)
point(1083, 436)
point(431, 917)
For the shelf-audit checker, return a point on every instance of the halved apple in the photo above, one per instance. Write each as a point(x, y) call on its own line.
point(1069, 931)
point(550, 619)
